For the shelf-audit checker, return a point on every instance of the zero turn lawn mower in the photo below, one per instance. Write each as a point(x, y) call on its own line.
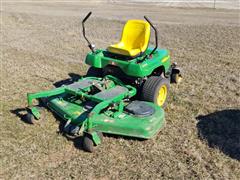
point(122, 93)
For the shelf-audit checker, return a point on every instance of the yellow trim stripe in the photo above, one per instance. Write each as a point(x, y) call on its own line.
point(165, 59)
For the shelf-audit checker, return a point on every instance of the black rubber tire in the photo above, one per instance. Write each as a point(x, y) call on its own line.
point(88, 144)
point(30, 118)
point(94, 72)
point(151, 88)
point(176, 78)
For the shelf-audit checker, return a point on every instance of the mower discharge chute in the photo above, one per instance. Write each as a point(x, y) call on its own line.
point(123, 92)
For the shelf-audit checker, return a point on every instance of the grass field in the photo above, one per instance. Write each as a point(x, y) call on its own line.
point(41, 44)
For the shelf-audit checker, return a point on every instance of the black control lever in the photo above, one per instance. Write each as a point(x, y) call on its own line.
point(91, 46)
point(156, 37)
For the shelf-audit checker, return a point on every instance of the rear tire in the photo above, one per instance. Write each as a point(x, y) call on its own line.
point(94, 72)
point(156, 89)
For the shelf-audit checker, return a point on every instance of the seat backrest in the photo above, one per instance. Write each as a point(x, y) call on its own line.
point(136, 34)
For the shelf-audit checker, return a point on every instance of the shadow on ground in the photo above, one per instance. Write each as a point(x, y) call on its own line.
point(77, 140)
point(72, 78)
point(221, 130)
point(21, 113)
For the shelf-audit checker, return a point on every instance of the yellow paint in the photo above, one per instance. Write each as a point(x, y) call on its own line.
point(77, 113)
point(165, 59)
point(162, 95)
point(135, 38)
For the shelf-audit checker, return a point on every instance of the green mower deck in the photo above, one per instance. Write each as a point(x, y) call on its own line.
point(93, 105)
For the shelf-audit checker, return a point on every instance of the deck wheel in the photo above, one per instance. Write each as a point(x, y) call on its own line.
point(176, 78)
point(30, 118)
point(88, 144)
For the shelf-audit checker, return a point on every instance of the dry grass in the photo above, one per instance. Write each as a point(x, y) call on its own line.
point(202, 114)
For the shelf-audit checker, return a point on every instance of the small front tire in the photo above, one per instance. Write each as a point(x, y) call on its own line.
point(88, 144)
point(30, 118)
point(176, 78)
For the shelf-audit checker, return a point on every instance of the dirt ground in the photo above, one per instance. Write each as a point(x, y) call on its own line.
point(41, 43)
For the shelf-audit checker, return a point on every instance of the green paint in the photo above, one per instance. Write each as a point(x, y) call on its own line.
point(108, 115)
point(96, 139)
point(35, 112)
point(134, 67)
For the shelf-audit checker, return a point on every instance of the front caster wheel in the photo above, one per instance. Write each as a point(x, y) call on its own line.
point(88, 144)
point(176, 78)
point(30, 118)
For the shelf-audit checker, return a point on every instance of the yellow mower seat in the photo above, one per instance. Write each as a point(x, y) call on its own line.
point(135, 38)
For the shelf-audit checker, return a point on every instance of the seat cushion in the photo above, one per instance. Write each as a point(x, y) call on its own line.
point(118, 49)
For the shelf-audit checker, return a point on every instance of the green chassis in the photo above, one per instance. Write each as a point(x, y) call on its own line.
point(111, 98)
point(108, 115)
point(136, 67)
